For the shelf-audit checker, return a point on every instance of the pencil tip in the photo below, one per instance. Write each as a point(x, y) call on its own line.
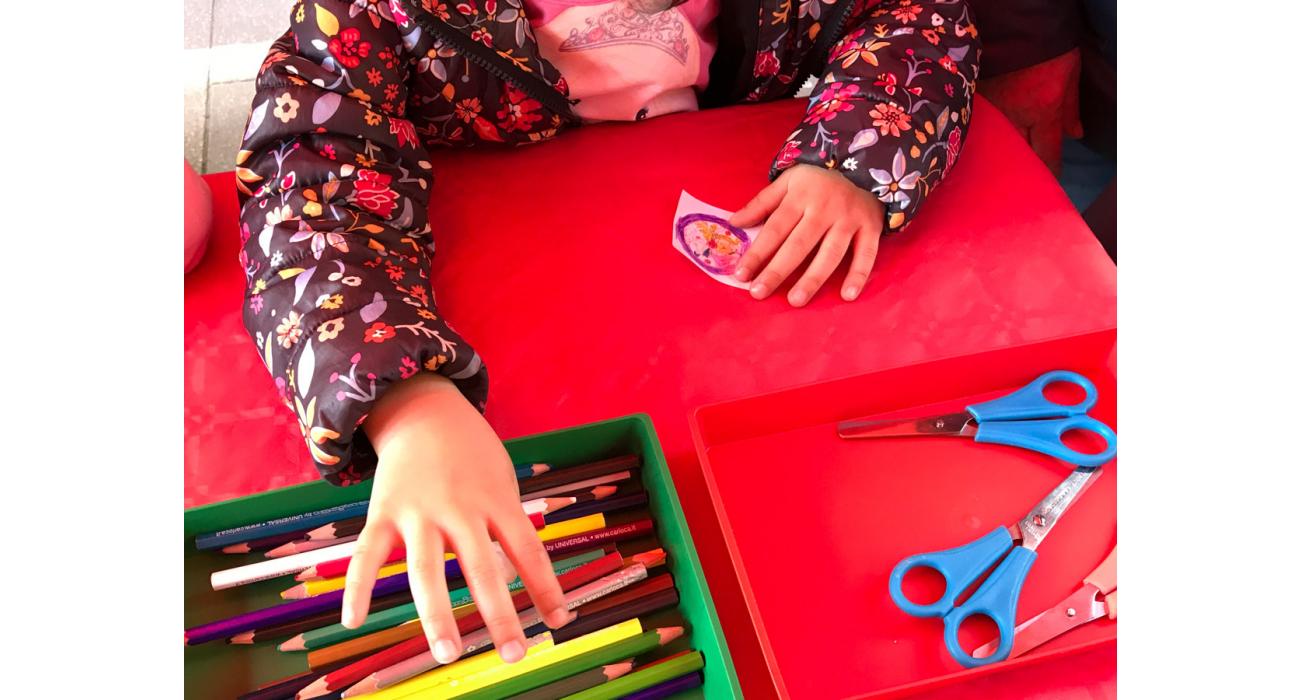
point(242, 548)
point(305, 574)
point(282, 550)
point(618, 670)
point(297, 592)
point(541, 469)
point(604, 491)
point(668, 634)
point(654, 557)
point(295, 644)
point(318, 687)
point(362, 687)
point(242, 638)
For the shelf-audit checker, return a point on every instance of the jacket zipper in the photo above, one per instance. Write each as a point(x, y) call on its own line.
point(489, 61)
point(825, 39)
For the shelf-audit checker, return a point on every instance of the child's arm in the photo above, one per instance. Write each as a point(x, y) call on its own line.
point(883, 127)
point(334, 186)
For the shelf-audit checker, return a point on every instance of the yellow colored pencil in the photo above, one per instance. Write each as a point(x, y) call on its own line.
point(488, 668)
point(308, 589)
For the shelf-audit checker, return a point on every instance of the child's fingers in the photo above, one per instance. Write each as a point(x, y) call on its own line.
point(426, 570)
point(761, 205)
point(521, 544)
point(792, 252)
point(373, 545)
point(774, 232)
point(864, 258)
point(828, 257)
point(478, 561)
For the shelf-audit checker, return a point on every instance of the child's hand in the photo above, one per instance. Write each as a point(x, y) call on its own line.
point(803, 206)
point(445, 483)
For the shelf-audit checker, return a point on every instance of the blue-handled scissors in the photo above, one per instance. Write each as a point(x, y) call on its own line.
point(1024, 418)
point(998, 596)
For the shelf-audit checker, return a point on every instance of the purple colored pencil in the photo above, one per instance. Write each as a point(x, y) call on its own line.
point(283, 689)
point(667, 688)
point(608, 505)
point(285, 612)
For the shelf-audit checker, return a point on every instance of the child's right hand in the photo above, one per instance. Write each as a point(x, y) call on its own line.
point(445, 483)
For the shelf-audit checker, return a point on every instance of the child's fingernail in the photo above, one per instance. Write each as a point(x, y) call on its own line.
point(562, 616)
point(349, 618)
point(444, 651)
point(798, 297)
point(742, 274)
point(512, 651)
point(758, 290)
point(851, 293)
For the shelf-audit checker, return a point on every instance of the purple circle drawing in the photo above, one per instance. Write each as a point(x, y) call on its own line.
point(712, 243)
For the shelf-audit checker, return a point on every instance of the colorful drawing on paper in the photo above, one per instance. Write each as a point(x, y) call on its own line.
point(702, 233)
point(712, 242)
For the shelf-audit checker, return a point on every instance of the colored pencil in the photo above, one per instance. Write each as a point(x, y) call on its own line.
point(581, 472)
point(645, 677)
point(263, 544)
point(349, 675)
point(668, 688)
point(576, 683)
point(314, 639)
point(609, 653)
point(654, 584)
point(615, 533)
point(615, 478)
point(271, 568)
point(291, 523)
point(299, 546)
point(644, 605)
point(552, 504)
point(424, 661)
point(337, 529)
point(489, 672)
point(318, 586)
point(610, 505)
point(528, 471)
point(555, 532)
point(328, 617)
point(284, 612)
point(284, 688)
point(353, 649)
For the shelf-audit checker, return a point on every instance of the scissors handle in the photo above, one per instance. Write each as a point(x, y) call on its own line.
point(959, 566)
point(1045, 436)
point(997, 599)
point(1030, 402)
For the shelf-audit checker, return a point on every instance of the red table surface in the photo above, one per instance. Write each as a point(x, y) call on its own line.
point(556, 262)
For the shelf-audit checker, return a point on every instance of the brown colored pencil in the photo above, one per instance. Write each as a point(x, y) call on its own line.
point(578, 683)
point(585, 624)
point(569, 475)
point(338, 529)
point(300, 546)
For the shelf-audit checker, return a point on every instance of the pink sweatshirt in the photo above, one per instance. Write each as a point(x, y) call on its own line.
point(628, 59)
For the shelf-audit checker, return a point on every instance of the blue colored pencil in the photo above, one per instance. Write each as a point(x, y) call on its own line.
point(608, 505)
point(289, 523)
point(667, 688)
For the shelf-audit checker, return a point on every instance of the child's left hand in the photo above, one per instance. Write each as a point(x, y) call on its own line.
point(804, 206)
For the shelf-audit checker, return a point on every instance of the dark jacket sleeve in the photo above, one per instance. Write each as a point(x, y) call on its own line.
point(892, 107)
point(334, 186)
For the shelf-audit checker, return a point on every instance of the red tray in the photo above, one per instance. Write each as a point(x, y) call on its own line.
point(814, 524)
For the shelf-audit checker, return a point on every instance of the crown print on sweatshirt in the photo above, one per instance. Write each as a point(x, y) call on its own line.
point(645, 22)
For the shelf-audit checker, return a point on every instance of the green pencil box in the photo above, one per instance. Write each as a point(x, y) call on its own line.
point(219, 670)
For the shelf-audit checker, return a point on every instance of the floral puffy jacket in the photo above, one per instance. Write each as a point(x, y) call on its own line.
point(334, 173)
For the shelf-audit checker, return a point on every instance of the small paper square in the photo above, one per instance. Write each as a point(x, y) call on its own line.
point(702, 234)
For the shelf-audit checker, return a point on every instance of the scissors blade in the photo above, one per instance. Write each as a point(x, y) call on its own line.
point(1038, 522)
point(1081, 607)
point(962, 423)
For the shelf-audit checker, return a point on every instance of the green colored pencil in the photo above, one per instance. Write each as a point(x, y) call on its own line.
point(644, 678)
point(335, 633)
point(577, 683)
point(550, 673)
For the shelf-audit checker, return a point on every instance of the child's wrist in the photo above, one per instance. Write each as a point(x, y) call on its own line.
point(412, 404)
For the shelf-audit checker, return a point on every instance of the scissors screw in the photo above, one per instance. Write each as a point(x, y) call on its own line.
point(1070, 612)
point(1039, 520)
point(939, 424)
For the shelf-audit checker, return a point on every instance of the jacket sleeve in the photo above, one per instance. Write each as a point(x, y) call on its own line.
point(892, 107)
point(334, 187)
